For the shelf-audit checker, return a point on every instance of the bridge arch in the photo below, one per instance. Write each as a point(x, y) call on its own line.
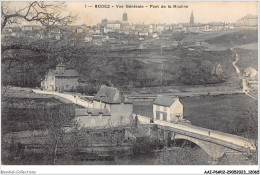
point(213, 150)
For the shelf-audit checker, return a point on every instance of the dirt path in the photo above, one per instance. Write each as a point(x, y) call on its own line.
point(245, 88)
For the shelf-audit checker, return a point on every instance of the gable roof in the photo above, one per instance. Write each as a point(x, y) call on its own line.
point(93, 111)
point(64, 73)
point(109, 95)
point(165, 101)
point(60, 64)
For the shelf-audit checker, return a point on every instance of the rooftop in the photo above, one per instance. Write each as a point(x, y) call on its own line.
point(247, 17)
point(136, 132)
point(109, 95)
point(165, 101)
point(64, 73)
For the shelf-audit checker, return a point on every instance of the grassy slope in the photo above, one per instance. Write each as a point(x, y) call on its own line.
point(245, 43)
point(247, 58)
point(216, 113)
point(236, 38)
point(20, 108)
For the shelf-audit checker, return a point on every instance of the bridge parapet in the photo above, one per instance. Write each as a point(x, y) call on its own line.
point(247, 147)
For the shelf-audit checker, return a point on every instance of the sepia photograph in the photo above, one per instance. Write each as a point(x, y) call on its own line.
point(129, 83)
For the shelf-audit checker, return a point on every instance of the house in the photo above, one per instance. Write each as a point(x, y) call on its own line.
point(97, 41)
point(141, 46)
point(60, 79)
point(111, 99)
point(88, 38)
point(113, 25)
point(31, 27)
point(160, 27)
point(168, 109)
point(251, 73)
point(196, 28)
point(219, 70)
point(99, 118)
point(143, 33)
point(79, 30)
point(248, 20)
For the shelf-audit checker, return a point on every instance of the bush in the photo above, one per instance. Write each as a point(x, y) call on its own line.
point(146, 145)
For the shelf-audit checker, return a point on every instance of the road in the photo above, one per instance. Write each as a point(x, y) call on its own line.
point(236, 140)
point(72, 98)
point(245, 88)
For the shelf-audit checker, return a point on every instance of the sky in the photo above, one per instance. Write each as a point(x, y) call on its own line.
point(204, 12)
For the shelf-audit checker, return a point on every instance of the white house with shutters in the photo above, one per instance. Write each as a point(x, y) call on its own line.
point(167, 109)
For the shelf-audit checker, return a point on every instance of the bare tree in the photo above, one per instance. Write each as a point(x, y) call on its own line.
point(48, 14)
point(29, 51)
point(57, 117)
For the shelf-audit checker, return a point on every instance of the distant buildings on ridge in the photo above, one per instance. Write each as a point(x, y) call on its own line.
point(104, 32)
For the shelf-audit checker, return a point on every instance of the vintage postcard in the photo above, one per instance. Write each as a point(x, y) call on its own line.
point(130, 83)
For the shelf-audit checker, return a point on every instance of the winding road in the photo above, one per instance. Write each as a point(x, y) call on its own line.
point(245, 88)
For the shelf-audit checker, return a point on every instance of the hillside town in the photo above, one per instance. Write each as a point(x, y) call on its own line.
point(116, 91)
point(108, 31)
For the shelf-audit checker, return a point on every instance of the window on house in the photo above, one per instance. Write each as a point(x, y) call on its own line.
point(157, 115)
point(164, 117)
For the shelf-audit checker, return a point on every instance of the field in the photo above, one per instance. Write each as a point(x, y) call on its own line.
point(238, 38)
point(218, 113)
point(252, 46)
point(206, 36)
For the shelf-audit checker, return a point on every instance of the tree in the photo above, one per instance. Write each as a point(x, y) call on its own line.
point(48, 14)
point(25, 53)
point(247, 126)
point(57, 117)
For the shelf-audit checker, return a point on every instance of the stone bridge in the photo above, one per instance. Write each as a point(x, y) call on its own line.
point(214, 143)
